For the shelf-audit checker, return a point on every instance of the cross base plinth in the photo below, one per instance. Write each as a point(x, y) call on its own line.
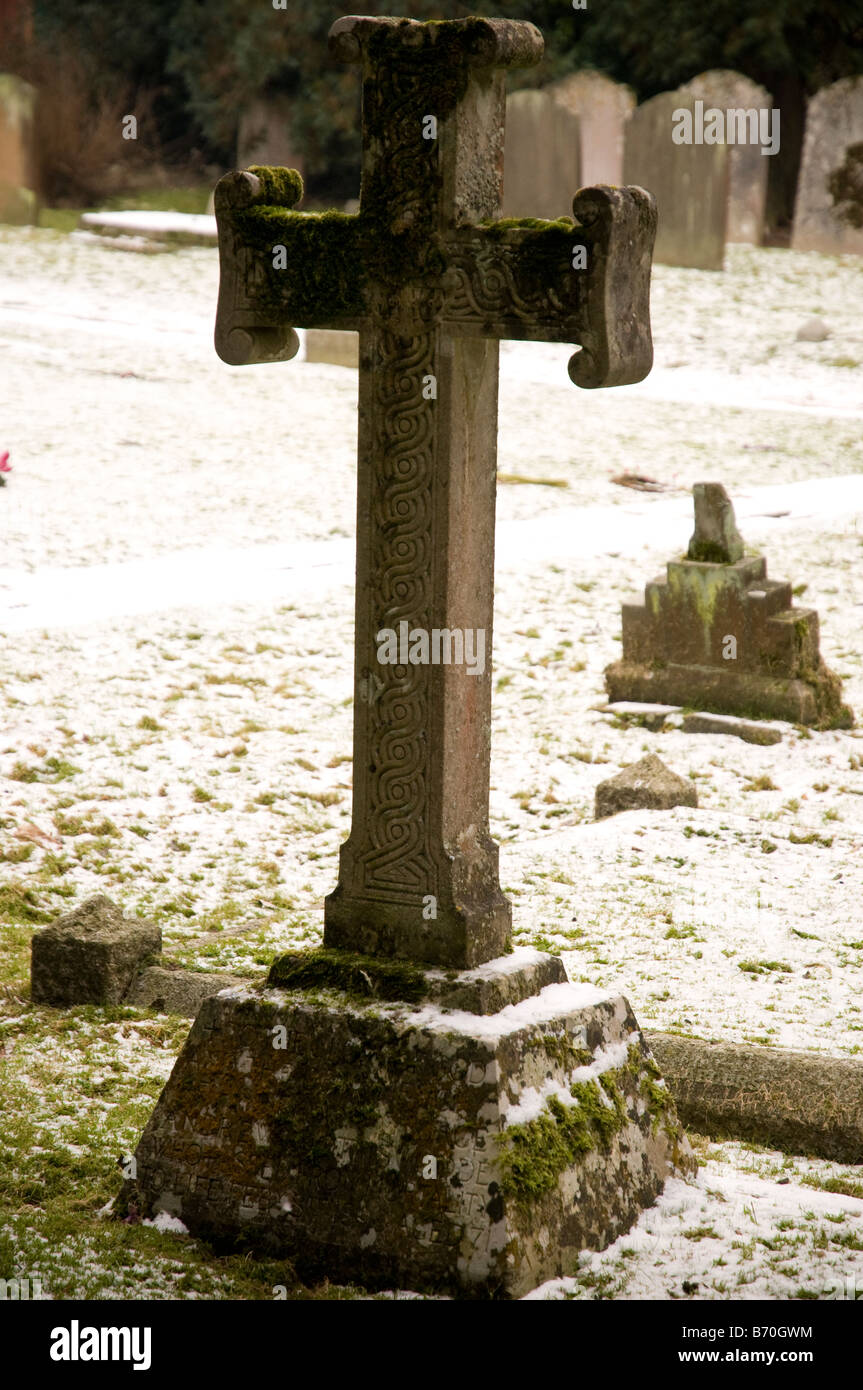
point(458, 936)
point(409, 1145)
point(815, 700)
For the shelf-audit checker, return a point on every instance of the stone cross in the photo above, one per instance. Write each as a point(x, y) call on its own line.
point(432, 280)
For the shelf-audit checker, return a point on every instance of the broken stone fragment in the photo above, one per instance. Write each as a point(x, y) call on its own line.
point(645, 785)
point(90, 955)
point(726, 724)
point(172, 990)
point(716, 538)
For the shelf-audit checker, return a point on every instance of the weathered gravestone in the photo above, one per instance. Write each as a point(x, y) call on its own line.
point(18, 202)
point(731, 92)
point(541, 156)
point(602, 108)
point(688, 181)
point(717, 634)
point(417, 1104)
point(828, 212)
point(568, 134)
point(264, 134)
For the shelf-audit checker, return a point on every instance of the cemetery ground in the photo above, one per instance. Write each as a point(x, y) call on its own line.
point(176, 583)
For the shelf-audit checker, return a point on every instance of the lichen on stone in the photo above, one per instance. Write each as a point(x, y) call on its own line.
point(533, 1155)
point(561, 1050)
point(709, 552)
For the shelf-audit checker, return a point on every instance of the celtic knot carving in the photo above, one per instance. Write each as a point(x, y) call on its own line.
point(395, 858)
point(494, 280)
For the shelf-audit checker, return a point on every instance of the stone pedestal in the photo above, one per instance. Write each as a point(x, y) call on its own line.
point(411, 1144)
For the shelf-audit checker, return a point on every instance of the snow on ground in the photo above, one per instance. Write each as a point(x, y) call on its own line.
point(153, 223)
point(733, 1234)
point(176, 623)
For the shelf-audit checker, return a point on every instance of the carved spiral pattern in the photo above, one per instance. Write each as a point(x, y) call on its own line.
point(396, 859)
point(393, 859)
point(482, 283)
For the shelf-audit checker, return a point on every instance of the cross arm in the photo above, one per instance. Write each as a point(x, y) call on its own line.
point(489, 43)
point(279, 268)
point(523, 279)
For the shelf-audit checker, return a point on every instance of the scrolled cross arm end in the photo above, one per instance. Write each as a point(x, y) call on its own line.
point(617, 348)
point(249, 346)
point(241, 337)
point(259, 184)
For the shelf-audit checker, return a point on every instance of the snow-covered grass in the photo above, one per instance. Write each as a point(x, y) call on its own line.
point(754, 1224)
point(190, 755)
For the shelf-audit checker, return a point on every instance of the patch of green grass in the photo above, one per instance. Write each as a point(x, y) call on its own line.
point(17, 854)
point(20, 904)
point(813, 838)
point(761, 784)
point(324, 798)
point(763, 967)
point(844, 1187)
point(59, 219)
point(88, 824)
point(543, 943)
point(14, 961)
point(22, 772)
point(53, 770)
point(188, 198)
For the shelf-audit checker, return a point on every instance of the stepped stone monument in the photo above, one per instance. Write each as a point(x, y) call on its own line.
point(828, 212)
point(717, 634)
point(416, 1104)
